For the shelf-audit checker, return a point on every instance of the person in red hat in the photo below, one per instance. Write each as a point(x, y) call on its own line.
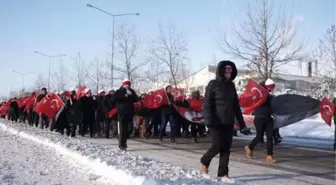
point(263, 122)
point(125, 98)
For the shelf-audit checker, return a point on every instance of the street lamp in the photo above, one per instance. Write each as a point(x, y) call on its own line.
point(49, 56)
point(113, 33)
point(23, 76)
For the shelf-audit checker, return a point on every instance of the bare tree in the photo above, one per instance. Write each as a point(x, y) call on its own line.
point(170, 49)
point(326, 53)
point(97, 75)
point(80, 71)
point(41, 81)
point(61, 77)
point(155, 72)
point(264, 40)
point(128, 45)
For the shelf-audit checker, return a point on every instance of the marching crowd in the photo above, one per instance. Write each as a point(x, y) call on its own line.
point(90, 114)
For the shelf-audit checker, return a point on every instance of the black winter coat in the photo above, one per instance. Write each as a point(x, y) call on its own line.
point(109, 104)
point(265, 110)
point(168, 109)
point(221, 106)
point(125, 105)
point(88, 107)
point(14, 106)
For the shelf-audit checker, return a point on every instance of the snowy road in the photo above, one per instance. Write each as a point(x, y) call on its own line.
point(23, 162)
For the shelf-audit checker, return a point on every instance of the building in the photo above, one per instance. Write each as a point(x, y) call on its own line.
point(199, 80)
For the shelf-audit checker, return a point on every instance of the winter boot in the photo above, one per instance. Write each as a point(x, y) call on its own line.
point(270, 159)
point(249, 152)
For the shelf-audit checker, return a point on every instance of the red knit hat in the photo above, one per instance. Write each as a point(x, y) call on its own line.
point(126, 82)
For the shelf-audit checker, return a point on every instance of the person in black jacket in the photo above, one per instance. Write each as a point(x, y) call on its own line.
point(263, 122)
point(220, 108)
point(14, 109)
point(100, 112)
point(88, 106)
point(125, 98)
point(62, 117)
point(44, 119)
point(110, 123)
point(75, 114)
point(167, 115)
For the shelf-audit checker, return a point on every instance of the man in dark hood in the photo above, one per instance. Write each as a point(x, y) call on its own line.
point(220, 108)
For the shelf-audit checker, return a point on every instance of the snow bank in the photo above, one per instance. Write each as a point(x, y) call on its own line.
point(121, 168)
point(309, 129)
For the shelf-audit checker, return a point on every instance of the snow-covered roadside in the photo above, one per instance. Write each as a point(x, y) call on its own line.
point(121, 168)
point(309, 129)
point(24, 162)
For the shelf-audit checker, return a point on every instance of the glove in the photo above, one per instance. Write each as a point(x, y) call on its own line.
point(129, 92)
point(246, 131)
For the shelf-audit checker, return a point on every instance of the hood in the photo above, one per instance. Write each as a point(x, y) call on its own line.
point(221, 65)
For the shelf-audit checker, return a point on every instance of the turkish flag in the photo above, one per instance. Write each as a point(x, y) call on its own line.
point(112, 112)
point(253, 96)
point(156, 99)
point(137, 105)
point(5, 107)
point(80, 92)
point(30, 101)
point(327, 109)
point(67, 94)
point(49, 105)
point(21, 101)
point(178, 94)
point(196, 105)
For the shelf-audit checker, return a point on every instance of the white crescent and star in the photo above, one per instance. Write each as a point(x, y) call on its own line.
point(327, 107)
point(177, 94)
point(258, 90)
point(160, 97)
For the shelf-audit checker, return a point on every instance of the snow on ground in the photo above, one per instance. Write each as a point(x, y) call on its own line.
point(309, 128)
point(121, 168)
point(23, 162)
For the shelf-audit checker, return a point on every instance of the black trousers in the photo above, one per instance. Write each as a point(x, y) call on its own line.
point(124, 122)
point(87, 123)
point(221, 144)
point(110, 125)
point(263, 124)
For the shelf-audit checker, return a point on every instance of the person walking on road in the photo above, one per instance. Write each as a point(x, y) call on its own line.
point(220, 108)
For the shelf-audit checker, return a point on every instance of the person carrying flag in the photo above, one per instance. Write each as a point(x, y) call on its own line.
point(263, 122)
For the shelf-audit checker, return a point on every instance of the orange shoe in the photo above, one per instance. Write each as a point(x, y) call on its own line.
point(249, 152)
point(204, 169)
point(270, 159)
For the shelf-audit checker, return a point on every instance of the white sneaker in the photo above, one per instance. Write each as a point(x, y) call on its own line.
point(227, 180)
point(206, 176)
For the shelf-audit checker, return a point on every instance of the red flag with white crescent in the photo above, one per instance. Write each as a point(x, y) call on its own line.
point(156, 99)
point(327, 109)
point(253, 96)
point(49, 105)
point(178, 94)
point(30, 101)
point(80, 92)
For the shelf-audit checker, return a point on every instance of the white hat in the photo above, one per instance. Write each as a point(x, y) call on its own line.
point(269, 82)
